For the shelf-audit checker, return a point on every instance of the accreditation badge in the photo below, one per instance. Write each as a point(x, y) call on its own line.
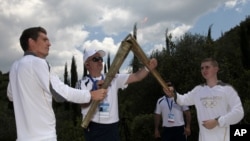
point(170, 117)
point(104, 109)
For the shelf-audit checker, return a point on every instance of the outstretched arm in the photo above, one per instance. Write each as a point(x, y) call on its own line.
point(142, 73)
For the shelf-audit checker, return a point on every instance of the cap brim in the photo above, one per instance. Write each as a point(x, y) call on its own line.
point(101, 52)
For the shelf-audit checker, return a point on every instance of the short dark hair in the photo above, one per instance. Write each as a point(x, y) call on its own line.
point(32, 33)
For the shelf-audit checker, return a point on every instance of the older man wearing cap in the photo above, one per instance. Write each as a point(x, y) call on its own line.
point(104, 124)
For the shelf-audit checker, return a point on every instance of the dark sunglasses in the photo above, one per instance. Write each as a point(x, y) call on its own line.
point(97, 59)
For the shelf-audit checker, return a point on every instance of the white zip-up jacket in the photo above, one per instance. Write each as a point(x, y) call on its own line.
point(220, 101)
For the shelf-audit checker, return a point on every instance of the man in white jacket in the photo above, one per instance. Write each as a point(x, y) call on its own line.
point(32, 86)
point(217, 104)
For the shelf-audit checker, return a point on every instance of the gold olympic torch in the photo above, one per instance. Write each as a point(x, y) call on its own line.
point(129, 43)
point(144, 59)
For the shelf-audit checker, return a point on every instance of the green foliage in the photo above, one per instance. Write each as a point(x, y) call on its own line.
point(142, 128)
point(73, 70)
point(66, 79)
point(67, 130)
point(242, 85)
point(246, 106)
point(7, 121)
point(245, 43)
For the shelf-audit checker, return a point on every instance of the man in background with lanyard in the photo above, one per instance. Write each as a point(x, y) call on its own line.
point(173, 123)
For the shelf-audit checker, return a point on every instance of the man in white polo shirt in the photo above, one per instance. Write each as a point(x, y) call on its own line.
point(104, 124)
point(175, 128)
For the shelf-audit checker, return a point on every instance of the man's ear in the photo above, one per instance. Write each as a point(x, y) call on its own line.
point(31, 43)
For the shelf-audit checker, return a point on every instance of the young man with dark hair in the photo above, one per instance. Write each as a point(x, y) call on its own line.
point(32, 86)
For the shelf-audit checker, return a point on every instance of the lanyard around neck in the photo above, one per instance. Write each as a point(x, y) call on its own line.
point(170, 104)
point(94, 87)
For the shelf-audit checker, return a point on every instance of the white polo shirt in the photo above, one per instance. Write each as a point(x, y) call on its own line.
point(109, 113)
point(163, 107)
